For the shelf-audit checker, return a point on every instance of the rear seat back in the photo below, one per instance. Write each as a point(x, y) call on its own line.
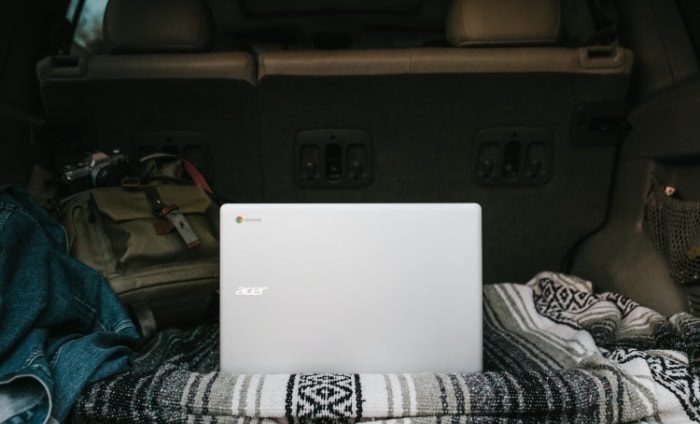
point(159, 87)
point(505, 117)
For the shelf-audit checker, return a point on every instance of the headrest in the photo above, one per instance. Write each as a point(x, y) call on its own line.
point(139, 26)
point(503, 22)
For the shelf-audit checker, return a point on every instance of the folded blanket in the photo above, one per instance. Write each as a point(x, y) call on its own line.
point(554, 352)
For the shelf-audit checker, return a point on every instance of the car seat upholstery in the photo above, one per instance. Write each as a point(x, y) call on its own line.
point(505, 117)
point(157, 26)
point(499, 22)
point(160, 87)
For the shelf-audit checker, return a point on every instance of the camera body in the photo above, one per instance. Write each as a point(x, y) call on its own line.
point(97, 170)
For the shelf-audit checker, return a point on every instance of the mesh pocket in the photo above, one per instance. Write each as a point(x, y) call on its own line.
point(674, 226)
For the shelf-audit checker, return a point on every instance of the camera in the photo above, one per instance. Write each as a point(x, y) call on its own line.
point(97, 170)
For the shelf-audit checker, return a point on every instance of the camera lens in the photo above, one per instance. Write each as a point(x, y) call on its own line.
point(108, 175)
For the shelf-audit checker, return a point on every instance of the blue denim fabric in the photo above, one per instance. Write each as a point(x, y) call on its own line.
point(61, 325)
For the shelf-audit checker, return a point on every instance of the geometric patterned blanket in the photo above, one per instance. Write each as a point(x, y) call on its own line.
point(554, 352)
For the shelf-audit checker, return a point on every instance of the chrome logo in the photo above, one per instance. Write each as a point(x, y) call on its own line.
point(239, 220)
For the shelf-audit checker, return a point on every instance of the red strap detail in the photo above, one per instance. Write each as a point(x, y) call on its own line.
point(196, 176)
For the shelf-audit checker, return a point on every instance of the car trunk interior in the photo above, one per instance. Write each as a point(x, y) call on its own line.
point(294, 105)
point(573, 124)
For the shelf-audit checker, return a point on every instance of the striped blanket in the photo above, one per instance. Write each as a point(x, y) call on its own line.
point(554, 352)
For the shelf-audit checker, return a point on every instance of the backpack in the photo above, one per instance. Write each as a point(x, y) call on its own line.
point(156, 244)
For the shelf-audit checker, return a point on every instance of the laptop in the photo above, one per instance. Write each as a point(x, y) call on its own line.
point(351, 288)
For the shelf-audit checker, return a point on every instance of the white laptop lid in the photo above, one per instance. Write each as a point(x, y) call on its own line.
point(352, 288)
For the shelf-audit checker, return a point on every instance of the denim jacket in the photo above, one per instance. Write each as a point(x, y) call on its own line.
point(61, 325)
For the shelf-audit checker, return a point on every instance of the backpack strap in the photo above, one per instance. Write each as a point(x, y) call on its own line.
point(145, 318)
point(175, 218)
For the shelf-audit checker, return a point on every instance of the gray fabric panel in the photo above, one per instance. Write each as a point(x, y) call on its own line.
point(423, 129)
point(666, 126)
point(663, 144)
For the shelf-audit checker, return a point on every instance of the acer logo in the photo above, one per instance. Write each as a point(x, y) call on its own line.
point(250, 291)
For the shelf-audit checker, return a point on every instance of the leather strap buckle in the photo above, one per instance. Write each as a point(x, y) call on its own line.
point(175, 218)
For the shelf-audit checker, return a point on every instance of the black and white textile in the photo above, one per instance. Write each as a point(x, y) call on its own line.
point(554, 352)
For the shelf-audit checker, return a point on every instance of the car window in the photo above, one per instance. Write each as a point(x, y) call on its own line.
point(87, 36)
